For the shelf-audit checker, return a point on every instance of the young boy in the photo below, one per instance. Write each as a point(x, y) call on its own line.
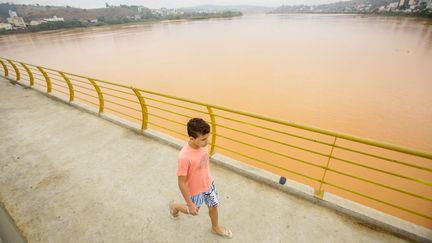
point(194, 179)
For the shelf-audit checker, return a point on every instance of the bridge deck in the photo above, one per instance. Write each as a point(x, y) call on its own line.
point(69, 176)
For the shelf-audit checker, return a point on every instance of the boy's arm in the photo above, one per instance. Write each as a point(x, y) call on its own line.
point(185, 192)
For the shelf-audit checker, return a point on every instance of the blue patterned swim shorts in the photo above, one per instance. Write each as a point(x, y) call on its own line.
point(210, 198)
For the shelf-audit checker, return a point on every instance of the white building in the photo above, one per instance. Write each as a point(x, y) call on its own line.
point(15, 20)
point(392, 6)
point(5, 26)
point(408, 3)
point(35, 22)
point(54, 19)
point(165, 12)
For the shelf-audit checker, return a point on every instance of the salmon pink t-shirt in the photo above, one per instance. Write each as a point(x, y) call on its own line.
point(194, 164)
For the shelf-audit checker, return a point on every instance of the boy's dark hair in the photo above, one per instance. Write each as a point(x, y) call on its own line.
point(196, 127)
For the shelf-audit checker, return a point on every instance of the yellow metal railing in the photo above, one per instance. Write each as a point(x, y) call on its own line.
point(387, 177)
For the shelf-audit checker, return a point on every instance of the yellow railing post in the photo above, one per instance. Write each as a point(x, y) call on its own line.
point(319, 193)
point(47, 79)
point(213, 127)
point(100, 95)
point(30, 74)
point(144, 110)
point(6, 71)
point(18, 75)
point(71, 90)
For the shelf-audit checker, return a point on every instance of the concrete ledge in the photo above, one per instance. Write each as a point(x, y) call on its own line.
point(359, 213)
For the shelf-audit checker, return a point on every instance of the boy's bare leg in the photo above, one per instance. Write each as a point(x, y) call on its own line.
point(181, 208)
point(213, 213)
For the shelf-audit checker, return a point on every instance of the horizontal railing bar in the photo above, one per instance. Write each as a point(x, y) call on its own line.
point(151, 114)
point(272, 140)
point(128, 107)
point(378, 200)
point(60, 86)
point(118, 97)
point(272, 165)
point(379, 184)
point(168, 103)
point(274, 130)
point(273, 152)
point(21, 69)
point(40, 79)
point(383, 171)
point(86, 94)
point(43, 82)
point(169, 111)
point(120, 91)
point(54, 73)
point(121, 113)
point(60, 91)
point(108, 82)
point(37, 75)
point(80, 81)
point(384, 158)
point(24, 73)
point(24, 78)
point(151, 123)
point(91, 102)
point(83, 87)
point(59, 80)
point(37, 71)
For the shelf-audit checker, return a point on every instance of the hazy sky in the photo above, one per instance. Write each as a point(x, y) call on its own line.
point(167, 3)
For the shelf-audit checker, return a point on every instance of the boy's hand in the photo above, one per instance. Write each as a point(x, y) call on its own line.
point(192, 209)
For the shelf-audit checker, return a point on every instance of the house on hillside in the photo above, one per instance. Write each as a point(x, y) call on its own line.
point(5, 26)
point(15, 20)
point(53, 19)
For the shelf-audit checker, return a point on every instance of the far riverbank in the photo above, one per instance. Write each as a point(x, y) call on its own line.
point(68, 24)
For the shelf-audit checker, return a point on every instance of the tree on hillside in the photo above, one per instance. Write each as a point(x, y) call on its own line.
point(146, 13)
point(4, 9)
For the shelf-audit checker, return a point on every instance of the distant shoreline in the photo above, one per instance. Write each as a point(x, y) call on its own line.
point(23, 31)
point(75, 24)
point(386, 14)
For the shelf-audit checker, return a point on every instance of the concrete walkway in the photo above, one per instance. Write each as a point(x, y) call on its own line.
point(69, 176)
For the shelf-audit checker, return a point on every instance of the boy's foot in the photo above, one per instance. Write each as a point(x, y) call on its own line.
point(174, 213)
point(224, 232)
